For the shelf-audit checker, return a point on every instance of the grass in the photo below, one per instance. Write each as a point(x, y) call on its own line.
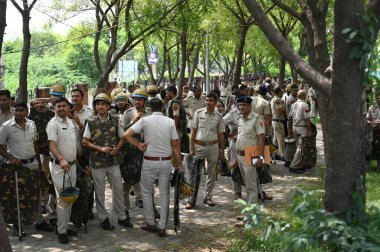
point(372, 186)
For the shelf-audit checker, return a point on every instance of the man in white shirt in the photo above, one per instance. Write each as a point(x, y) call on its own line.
point(160, 141)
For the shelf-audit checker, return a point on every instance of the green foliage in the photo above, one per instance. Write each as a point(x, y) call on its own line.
point(364, 48)
point(42, 72)
point(309, 228)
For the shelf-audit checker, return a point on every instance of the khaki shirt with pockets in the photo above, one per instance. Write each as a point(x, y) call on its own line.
point(249, 130)
point(260, 106)
point(208, 125)
point(63, 132)
point(299, 111)
point(18, 141)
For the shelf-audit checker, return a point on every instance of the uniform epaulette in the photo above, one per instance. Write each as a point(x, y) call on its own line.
point(200, 110)
point(129, 109)
point(91, 118)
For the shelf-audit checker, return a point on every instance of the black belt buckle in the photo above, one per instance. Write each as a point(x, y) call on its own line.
point(55, 161)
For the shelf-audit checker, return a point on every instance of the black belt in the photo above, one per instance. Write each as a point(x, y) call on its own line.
point(299, 126)
point(55, 161)
point(278, 120)
point(157, 158)
point(27, 161)
point(241, 153)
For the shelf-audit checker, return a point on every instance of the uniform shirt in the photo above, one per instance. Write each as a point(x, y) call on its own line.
point(289, 102)
point(85, 113)
point(260, 106)
point(192, 104)
point(18, 141)
point(158, 130)
point(208, 125)
point(299, 111)
point(128, 116)
point(63, 132)
point(373, 113)
point(231, 119)
point(249, 130)
point(277, 103)
point(5, 116)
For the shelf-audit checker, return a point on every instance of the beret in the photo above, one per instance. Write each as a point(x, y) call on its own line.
point(244, 99)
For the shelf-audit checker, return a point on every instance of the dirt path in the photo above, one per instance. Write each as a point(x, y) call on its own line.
point(202, 229)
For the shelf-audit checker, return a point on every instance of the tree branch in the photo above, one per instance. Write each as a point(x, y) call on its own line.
point(316, 79)
point(287, 9)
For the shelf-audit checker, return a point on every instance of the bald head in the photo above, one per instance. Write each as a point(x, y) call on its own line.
point(302, 94)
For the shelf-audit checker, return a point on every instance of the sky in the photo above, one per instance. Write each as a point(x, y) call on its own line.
point(38, 19)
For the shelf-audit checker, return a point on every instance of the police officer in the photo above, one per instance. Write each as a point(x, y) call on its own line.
point(231, 119)
point(6, 112)
point(130, 117)
point(160, 141)
point(278, 120)
point(177, 112)
point(194, 101)
point(176, 109)
point(102, 136)
point(299, 126)
point(18, 143)
point(63, 148)
point(292, 97)
point(251, 132)
point(261, 107)
point(207, 140)
point(83, 111)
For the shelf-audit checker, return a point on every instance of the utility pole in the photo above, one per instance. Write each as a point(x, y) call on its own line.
point(207, 81)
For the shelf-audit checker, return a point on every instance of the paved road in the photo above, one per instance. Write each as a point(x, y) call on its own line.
point(202, 229)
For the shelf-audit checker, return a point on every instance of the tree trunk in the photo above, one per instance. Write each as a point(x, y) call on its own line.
point(183, 58)
point(146, 55)
point(169, 69)
point(281, 76)
point(344, 165)
point(195, 63)
point(3, 24)
point(23, 75)
point(239, 57)
point(344, 157)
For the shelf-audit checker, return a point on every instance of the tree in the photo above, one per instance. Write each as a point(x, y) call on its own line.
point(23, 75)
point(116, 14)
point(342, 90)
point(3, 19)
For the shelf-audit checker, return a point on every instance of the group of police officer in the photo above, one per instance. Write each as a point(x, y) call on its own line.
point(140, 122)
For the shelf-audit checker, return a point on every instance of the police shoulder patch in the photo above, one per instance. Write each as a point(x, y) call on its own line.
point(175, 106)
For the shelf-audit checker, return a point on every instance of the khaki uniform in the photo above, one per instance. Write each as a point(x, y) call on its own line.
point(289, 102)
point(232, 121)
point(249, 130)
point(208, 127)
point(260, 106)
point(5, 116)
point(85, 113)
point(63, 133)
point(192, 104)
point(278, 124)
point(313, 110)
point(373, 113)
point(299, 111)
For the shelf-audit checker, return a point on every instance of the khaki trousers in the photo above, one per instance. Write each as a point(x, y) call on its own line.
point(63, 208)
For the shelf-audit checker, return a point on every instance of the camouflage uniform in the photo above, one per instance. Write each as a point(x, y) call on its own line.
point(106, 133)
